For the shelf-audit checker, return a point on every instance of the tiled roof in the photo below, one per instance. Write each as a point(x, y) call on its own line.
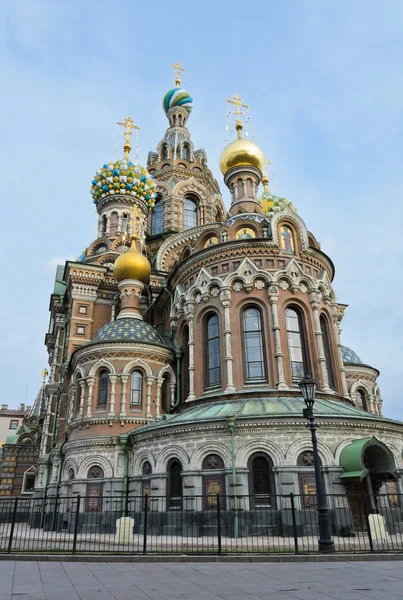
point(128, 330)
point(349, 356)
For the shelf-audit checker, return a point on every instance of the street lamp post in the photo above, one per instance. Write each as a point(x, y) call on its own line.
point(308, 389)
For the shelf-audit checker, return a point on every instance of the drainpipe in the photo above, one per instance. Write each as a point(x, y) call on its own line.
point(124, 438)
point(178, 356)
point(231, 422)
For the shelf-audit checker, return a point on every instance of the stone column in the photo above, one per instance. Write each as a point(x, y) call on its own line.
point(189, 311)
point(112, 379)
point(45, 430)
point(124, 379)
point(73, 392)
point(108, 224)
point(90, 383)
point(337, 332)
point(273, 298)
point(149, 382)
point(225, 298)
point(119, 229)
point(314, 300)
point(172, 391)
point(159, 382)
point(82, 395)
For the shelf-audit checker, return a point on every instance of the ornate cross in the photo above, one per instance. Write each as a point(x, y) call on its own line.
point(128, 124)
point(178, 70)
point(237, 101)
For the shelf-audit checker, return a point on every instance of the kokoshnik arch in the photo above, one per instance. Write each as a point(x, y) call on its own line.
point(153, 346)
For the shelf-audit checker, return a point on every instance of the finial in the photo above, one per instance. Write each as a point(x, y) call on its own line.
point(237, 101)
point(178, 70)
point(44, 374)
point(128, 124)
point(265, 178)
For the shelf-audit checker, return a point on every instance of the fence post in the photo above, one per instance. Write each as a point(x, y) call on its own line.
point(294, 522)
point(219, 523)
point(76, 523)
point(10, 541)
point(371, 542)
point(145, 524)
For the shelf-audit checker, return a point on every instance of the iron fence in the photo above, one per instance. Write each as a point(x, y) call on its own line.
point(198, 524)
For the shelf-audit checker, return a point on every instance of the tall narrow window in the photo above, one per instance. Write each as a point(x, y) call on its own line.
point(124, 222)
point(253, 345)
point(186, 153)
point(157, 218)
point(174, 487)
point(190, 213)
point(103, 389)
point(213, 367)
point(165, 394)
point(326, 348)
point(296, 346)
point(136, 389)
point(185, 362)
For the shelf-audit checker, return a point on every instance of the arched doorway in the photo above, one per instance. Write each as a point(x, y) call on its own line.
point(174, 483)
point(261, 480)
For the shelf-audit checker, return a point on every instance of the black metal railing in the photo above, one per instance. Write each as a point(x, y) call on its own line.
point(198, 524)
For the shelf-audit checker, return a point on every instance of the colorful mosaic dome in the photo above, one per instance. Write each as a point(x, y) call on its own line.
point(127, 330)
point(349, 356)
point(125, 178)
point(272, 204)
point(177, 97)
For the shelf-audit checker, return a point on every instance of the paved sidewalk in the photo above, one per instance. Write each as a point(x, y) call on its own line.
point(201, 581)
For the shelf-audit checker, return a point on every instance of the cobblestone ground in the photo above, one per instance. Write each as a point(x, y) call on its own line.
point(201, 581)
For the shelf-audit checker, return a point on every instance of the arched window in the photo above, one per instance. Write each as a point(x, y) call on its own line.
point(146, 482)
point(103, 389)
point(362, 400)
point(174, 483)
point(296, 344)
point(190, 213)
point(165, 394)
point(253, 344)
point(326, 348)
point(165, 152)
point(213, 366)
point(186, 153)
point(261, 480)
point(103, 225)
point(95, 472)
point(185, 362)
point(157, 218)
point(78, 397)
point(136, 389)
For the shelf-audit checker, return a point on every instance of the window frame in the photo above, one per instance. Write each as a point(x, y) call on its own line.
point(327, 351)
point(244, 348)
point(83, 327)
point(186, 211)
point(207, 340)
point(174, 501)
point(136, 405)
point(12, 421)
point(100, 374)
point(268, 499)
point(185, 362)
point(154, 214)
point(84, 311)
point(304, 345)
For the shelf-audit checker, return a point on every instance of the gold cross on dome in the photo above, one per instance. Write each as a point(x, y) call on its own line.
point(128, 124)
point(44, 375)
point(237, 101)
point(267, 163)
point(178, 70)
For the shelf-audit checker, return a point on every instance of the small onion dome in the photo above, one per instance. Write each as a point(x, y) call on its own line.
point(128, 330)
point(349, 356)
point(125, 178)
point(132, 265)
point(241, 153)
point(272, 204)
point(177, 97)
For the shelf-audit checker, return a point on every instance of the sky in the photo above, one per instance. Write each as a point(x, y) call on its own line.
point(325, 86)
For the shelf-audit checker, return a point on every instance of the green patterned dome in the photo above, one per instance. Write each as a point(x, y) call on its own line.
point(128, 330)
point(123, 177)
point(272, 204)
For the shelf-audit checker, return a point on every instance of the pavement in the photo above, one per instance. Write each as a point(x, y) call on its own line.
point(201, 581)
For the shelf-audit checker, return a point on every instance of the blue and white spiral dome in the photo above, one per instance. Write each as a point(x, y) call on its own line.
point(177, 97)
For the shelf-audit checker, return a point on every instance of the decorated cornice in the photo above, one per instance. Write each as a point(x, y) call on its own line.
point(122, 351)
point(178, 240)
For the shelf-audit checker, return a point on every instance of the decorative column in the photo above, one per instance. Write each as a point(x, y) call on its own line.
point(314, 300)
point(149, 382)
point(273, 298)
point(82, 394)
point(172, 392)
point(124, 379)
point(112, 379)
point(90, 383)
point(337, 332)
point(189, 312)
point(225, 298)
point(108, 224)
point(119, 229)
point(159, 382)
point(73, 392)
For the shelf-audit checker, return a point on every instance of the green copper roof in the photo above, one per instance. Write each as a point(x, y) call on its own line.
point(260, 407)
point(352, 459)
point(60, 284)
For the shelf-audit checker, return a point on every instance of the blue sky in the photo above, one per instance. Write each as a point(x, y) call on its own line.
point(325, 85)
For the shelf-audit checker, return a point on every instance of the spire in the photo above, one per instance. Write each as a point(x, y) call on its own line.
point(128, 124)
point(178, 70)
point(39, 405)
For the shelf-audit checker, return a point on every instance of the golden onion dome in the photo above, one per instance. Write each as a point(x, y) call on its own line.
point(241, 153)
point(132, 265)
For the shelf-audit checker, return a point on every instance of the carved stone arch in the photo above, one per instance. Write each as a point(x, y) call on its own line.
point(190, 186)
point(139, 363)
point(77, 371)
point(69, 463)
point(210, 447)
point(258, 445)
point(167, 369)
point(163, 189)
point(99, 364)
point(287, 214)
point(139, 459)
point(360, 384)
point(295, 449)
point(376, 391)
point(206, 236)
point(92, 248)
point(119, 242)
point(169, 452)
point(246, 271)
point(244, 224)
point(279, 277)
point(93, 461)
point(175, 243)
